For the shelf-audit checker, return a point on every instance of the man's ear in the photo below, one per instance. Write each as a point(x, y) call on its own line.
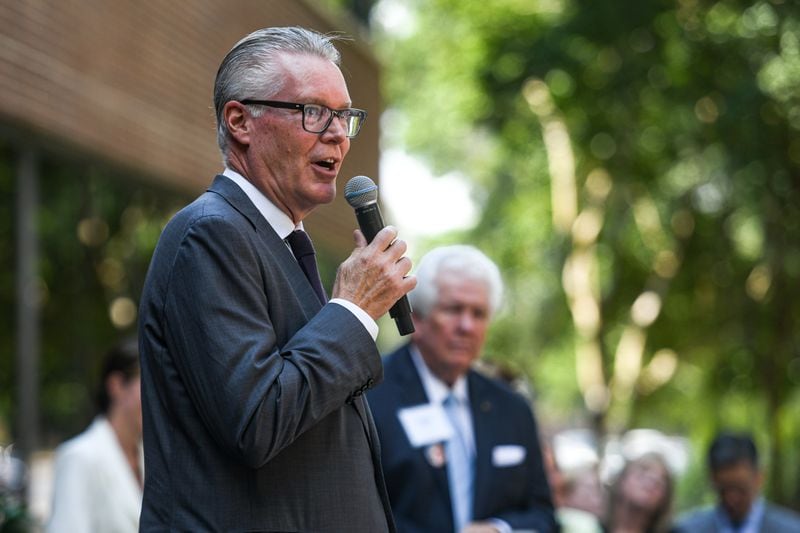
point(237, 121)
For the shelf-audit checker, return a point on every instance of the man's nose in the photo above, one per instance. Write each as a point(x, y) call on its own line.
point(336, 130)
point(466, 321)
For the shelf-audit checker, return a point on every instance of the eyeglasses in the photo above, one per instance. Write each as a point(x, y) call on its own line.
point(317, 118)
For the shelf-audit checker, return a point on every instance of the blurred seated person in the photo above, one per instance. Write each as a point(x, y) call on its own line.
point(641, 497)
point(460, 451)
point(98, 474)
point(737, 479)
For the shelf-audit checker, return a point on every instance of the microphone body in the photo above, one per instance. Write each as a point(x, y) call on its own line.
point(370, 221)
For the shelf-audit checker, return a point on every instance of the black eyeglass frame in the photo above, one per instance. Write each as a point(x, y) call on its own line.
point(360, 113)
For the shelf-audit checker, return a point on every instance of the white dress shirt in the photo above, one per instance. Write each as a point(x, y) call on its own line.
point(283, 226)
point(437, 390)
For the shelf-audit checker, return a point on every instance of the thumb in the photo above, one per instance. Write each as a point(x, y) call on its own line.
point(359, 239)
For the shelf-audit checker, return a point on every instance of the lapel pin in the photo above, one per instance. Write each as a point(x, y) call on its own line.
point(435, 455)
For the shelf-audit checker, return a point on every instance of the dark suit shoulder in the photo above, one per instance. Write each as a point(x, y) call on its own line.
point(205, 207)
point(399, 366)
point(398, 372)
point(396, 359)
point(499, 390)
point(223, 199)
point(208, 204)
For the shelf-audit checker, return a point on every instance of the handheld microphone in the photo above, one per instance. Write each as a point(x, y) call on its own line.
point(362, 195)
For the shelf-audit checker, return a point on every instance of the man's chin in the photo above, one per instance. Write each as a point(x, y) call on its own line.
point(462, 360)
point(326, 194)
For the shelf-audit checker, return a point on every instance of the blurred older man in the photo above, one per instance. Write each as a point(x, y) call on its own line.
point(460, 451)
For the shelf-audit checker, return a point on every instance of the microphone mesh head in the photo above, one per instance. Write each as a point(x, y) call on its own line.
point(360, 191)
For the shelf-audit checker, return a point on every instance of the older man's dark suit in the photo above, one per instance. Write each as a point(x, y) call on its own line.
point(419, 492)
point(253, 418)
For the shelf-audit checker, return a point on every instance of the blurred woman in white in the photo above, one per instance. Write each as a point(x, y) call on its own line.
point(98, 474)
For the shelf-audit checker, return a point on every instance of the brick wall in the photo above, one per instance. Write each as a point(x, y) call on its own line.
point(130, 82)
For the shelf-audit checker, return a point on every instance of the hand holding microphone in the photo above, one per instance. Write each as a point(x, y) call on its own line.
point(362, 194)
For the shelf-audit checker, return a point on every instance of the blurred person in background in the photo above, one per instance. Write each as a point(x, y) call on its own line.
point(98, 474)
point(640, 499)
point(460, 451)
point(14, 487)
point(578, 494)
point(737, 479)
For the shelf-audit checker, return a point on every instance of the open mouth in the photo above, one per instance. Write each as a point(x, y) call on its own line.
point(329, 163)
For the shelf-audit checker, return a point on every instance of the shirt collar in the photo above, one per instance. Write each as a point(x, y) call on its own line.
point(279, 220)
point(435, 389)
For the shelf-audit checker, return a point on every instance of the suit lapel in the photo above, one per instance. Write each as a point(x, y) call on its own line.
point(483, 417)
point(413, 393)
point(273, 244)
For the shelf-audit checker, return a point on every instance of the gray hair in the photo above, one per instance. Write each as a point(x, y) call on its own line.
point(462, 261)
point(252, 69)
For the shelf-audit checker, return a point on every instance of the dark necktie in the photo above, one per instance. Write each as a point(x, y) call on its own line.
point(303, 251)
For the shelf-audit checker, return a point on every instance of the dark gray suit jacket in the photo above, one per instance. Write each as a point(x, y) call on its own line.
point(776, 520)
point(251, 390)
point(418, 489)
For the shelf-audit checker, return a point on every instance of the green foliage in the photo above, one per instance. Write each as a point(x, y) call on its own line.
point(96, 234)
point(692, 109)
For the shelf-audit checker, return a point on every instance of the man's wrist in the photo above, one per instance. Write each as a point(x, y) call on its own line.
point(369, 324)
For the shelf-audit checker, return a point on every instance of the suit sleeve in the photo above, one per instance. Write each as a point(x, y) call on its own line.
point(255, 396)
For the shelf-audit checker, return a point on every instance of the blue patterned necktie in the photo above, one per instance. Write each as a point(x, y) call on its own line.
point(303, 250)
point(459, 467)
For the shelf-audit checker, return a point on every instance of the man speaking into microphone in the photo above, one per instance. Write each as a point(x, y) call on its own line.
point(252, 380)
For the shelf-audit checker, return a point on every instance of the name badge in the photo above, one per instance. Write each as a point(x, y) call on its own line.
point(425, 424)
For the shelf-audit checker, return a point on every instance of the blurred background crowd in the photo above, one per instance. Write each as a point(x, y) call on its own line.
point(632, 168)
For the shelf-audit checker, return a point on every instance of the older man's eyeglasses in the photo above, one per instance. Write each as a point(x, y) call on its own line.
point(317, 118)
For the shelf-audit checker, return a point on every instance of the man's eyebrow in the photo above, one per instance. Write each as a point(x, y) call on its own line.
point(317, 101)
